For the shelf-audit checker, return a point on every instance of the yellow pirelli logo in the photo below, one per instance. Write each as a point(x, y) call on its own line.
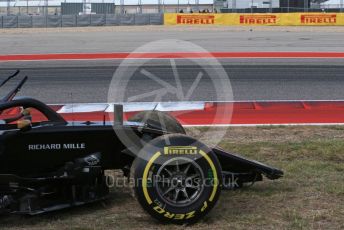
point(180, 150)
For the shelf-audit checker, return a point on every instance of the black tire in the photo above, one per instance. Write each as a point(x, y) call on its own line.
point(159, 120)
point(193, 187)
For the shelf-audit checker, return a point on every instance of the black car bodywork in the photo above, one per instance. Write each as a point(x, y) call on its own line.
point(54, 164)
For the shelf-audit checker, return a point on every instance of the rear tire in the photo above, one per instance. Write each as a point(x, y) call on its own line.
point(160, 120)
point(176, 181)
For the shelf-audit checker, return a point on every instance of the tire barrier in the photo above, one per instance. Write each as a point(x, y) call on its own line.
point(266, 19)
point(24, 21)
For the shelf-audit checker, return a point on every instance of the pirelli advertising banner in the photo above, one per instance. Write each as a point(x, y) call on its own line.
point(282, 19)
point(195, 19)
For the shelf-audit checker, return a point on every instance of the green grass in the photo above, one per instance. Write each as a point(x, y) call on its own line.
point(309, 196)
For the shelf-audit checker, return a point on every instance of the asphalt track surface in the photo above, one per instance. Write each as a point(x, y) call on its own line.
point(82, 82)
point(89, 81)
point(127, 39)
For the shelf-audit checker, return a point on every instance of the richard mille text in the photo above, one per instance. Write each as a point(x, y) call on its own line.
point(57, 146)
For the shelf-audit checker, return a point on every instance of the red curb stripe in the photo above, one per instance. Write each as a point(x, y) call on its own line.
point(244, 113)
point(94, 56)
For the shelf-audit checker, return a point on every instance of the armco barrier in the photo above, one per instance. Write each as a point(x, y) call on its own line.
point(279, 19)
point(80, 20)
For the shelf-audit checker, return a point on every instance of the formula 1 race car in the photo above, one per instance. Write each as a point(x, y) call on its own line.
point(53, 164)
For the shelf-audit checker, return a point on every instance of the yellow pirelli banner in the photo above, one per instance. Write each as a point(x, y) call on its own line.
point(281, 19)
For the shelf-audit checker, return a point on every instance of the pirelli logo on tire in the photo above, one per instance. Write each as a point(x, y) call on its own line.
point(180, 150)
point(178, 216)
